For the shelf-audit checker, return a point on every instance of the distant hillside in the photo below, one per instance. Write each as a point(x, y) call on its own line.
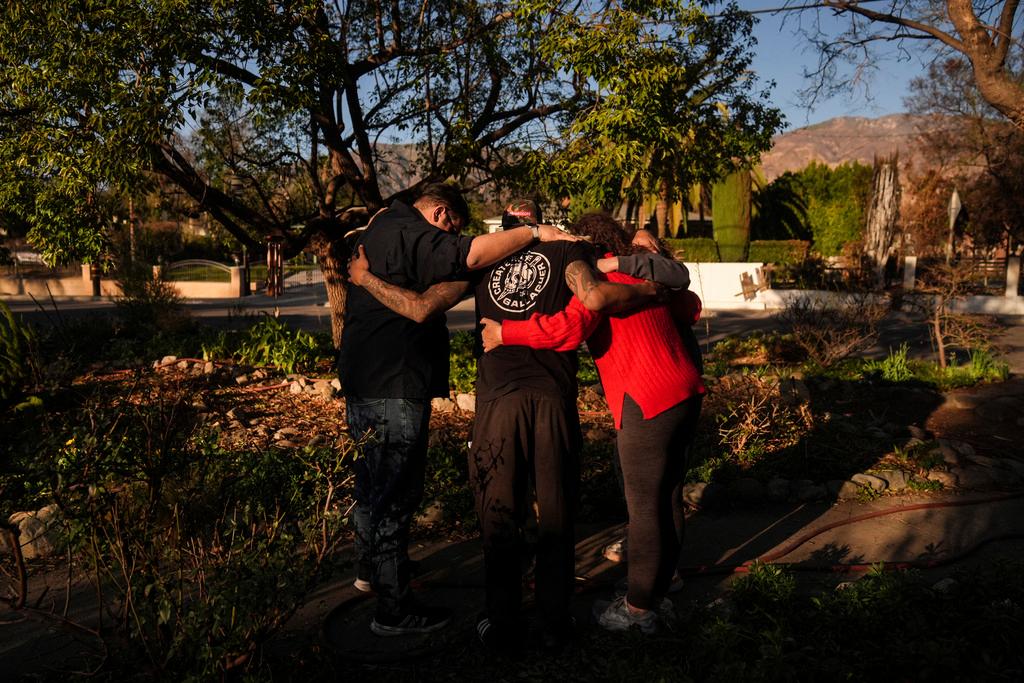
point(848, 138)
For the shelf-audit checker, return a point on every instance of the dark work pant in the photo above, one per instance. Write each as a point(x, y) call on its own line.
point(653, 458)
point(524, 441)
point(388, 489)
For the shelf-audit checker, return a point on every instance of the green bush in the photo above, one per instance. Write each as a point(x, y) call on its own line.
point(694, 249)
point(788, 252)
point(15, 339)
point(270, 342)
point(203, 553)
point(462, 365)
point(894, 367)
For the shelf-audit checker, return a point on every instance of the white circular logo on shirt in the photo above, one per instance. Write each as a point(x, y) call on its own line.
point(516, 282)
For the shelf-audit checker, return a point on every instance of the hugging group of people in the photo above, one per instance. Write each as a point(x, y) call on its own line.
point(540, 292)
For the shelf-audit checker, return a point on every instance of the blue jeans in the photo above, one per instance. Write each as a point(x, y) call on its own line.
point(388, 490)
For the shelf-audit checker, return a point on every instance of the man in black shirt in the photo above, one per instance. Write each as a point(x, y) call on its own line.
point(391, 366)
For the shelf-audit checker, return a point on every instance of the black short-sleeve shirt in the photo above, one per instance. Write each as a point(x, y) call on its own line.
point(530, 281)
point(383, 354)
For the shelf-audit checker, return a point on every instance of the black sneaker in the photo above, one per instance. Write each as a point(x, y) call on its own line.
point(419, 619)
point(499, 639)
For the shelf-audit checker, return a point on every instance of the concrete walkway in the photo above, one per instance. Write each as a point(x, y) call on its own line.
point(974, 529)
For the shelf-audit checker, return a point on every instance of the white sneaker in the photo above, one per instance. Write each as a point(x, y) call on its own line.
point(615, 551)
point(616, 616)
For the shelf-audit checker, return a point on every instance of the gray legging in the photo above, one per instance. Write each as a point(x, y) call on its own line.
point(652, 454)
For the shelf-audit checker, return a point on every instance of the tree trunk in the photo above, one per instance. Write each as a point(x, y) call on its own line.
point(333, 265)
point(883, 212)
point(661, 211)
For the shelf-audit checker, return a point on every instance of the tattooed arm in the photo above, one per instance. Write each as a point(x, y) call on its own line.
point(412, 305)
point(604, 296)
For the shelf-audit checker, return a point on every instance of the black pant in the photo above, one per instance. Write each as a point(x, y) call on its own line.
point(524, 441)
point(652, 454)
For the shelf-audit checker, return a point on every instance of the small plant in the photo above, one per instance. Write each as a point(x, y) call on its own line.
point(462, 363)
point(269, 342)
point(587, 373)
point(924, 485)
point(894, 368)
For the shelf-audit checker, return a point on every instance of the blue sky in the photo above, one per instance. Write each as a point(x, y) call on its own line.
point(782, 56)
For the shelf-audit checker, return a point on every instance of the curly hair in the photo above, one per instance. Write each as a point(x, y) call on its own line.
point(604, 232)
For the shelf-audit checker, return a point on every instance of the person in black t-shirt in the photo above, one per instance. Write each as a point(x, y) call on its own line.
point(391, 365)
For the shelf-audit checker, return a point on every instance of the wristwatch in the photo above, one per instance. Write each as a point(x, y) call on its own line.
point(535, 229)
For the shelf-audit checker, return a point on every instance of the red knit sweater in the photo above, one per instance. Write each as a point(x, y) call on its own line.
point(637, 353)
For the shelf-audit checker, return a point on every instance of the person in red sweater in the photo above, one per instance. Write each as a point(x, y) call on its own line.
point(654, 391)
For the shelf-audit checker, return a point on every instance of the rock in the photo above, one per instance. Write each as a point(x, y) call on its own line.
point(242, 380)
point(896, 479)
point(295, 387)
point(182, 365)
point(285, 432)
point(432, 514)
point(466, 402)
point(39, 532)
point(260, 374)
point(963, 448)
point(285, 443)
point(917, 432)
point(794, 391)
point(949, 455)
point(949, 480)
point(847, 490)
point(871, 481)
point(809, 491)
point(442, 405)
point(703, 495)
point(209, 367)
point(167, 360)
point(977, 478)
point(964, 401)
point(778, 489)
point(324, 388)
point(747, 490)
point(693, 492)
point(944, 585)
point(983, 460)
point(336, 383)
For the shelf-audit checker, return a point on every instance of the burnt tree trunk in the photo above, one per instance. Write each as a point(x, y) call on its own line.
point(327, 241)
point(883, 213)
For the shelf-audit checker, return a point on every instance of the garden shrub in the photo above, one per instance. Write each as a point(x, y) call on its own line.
point(15, 339)
point(270, 342)
point(831, 330)
point(694, 249)
point(149, 305)
point(203, 553)
point(781, 252)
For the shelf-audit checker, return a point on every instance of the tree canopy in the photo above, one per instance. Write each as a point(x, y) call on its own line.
point(276, 116)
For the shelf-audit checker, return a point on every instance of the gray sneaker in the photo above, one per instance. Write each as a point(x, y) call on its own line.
point(615, 616)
